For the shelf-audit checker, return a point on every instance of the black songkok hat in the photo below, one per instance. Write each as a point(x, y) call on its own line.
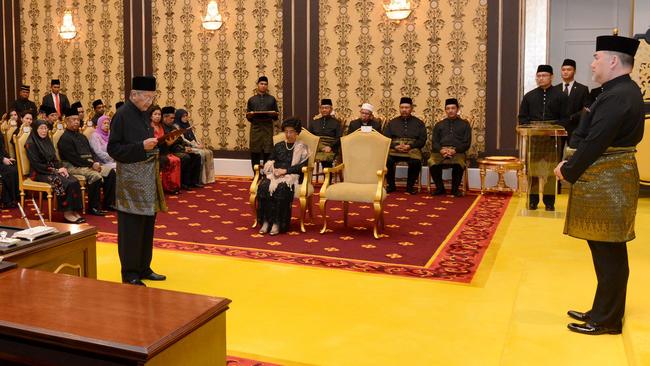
point(25, 87)
point(72, 111)
point(262, 78)
point(569, 62)
point(620, 44)
point(119, 104)
point(326, 101)
point(168, 110)
point(97, 102)
point(76, 105)
point(146, 83)
point(406, 100)
point(47, 109)
point(292, 122)
point(55, 82)
point(545, 68)
point(451, 101)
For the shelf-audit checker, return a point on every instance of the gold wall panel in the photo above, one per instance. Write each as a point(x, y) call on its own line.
point(440, 51)
point(91, 66)
point(212, 74)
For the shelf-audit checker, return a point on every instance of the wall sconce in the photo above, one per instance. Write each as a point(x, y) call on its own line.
point(398, 9)
point(212, 20)
point(67, 31)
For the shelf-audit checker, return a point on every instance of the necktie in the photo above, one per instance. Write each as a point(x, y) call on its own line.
point(566, 89)
point(56, 104)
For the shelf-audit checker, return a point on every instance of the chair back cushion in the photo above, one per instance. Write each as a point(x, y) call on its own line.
point(306, 138)
point(21, 156)
point(88, 131)
point(364, 153)
point(55, 140)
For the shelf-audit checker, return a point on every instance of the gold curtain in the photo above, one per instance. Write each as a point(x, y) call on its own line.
point(439, 52)
point(90, 66)
point(212, 74)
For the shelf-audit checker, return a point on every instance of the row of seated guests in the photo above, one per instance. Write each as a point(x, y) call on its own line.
point(450, 139)
point(184, 162)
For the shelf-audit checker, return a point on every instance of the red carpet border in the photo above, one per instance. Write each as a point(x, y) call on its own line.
point(216, 220)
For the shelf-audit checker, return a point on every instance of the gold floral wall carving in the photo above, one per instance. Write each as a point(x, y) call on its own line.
point(641, 71)
point(440, 51)
point(212, 74)
point(91, 66)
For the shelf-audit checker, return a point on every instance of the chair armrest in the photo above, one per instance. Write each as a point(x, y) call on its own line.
point(328, 175)
point(380, 184)
point(256, 179)
point(335, 169)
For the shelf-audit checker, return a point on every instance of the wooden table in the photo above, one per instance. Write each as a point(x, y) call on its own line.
point(72, 254)
point(55, 319)
point(500, 164)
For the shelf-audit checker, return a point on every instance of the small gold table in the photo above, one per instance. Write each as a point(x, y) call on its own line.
point(501, 164)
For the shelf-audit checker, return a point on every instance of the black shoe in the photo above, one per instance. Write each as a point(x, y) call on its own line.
point(154, 277)
point(412, 191)
point(591, 329)
point(550, 208)
point(390, 189)
point(457, 193)
point(135, 281)
point(438, 192)
point(97, 212)
point(80, 220)
point(185, 188)
point(532, 206)
point(111, 208)
point(198, 185)
point(583, 317)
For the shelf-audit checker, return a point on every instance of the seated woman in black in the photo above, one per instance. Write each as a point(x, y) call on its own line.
point(281, 177)
point(45, 167)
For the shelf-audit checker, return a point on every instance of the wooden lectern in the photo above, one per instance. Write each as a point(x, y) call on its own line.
point(540, 147)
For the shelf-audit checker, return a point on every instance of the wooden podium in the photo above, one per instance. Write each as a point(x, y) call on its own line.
point(55, 319)
point(73, 253)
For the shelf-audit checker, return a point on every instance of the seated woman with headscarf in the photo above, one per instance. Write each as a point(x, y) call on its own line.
point(45, 167)
point(281, 177)
point(182, 120)
point(170, 164)
point(99, 141)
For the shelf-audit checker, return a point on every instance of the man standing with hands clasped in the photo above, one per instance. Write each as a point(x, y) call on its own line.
point(139, 194)
point(605, 182)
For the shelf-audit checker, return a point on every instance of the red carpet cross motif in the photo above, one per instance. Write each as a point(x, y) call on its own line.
point(442, 237)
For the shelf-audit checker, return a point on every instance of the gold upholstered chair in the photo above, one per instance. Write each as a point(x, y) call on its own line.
point(643, 154)
point(24, 182)
point(364, 167)
point(305, 193)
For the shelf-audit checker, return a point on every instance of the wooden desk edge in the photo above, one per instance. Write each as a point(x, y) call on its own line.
point(107, 348)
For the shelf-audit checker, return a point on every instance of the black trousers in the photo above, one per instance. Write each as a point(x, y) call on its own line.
point(456, 176)
point(190, 169)
point(109, 189)
point(135, 244)
point(256, 157)
point(94, 194)
point(414, 168)
point(548, 199)
point(612, 271)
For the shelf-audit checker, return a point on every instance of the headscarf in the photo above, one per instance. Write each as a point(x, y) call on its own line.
point(99, 130)
point(189, 134)
point(42, 146)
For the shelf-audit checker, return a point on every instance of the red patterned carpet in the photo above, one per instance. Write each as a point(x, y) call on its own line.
point(217, 220)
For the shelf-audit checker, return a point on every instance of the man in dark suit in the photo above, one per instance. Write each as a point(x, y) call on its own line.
point(578, 95)
point(55, 99)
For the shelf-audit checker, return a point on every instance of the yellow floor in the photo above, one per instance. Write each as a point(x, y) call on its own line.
point(513, 314)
